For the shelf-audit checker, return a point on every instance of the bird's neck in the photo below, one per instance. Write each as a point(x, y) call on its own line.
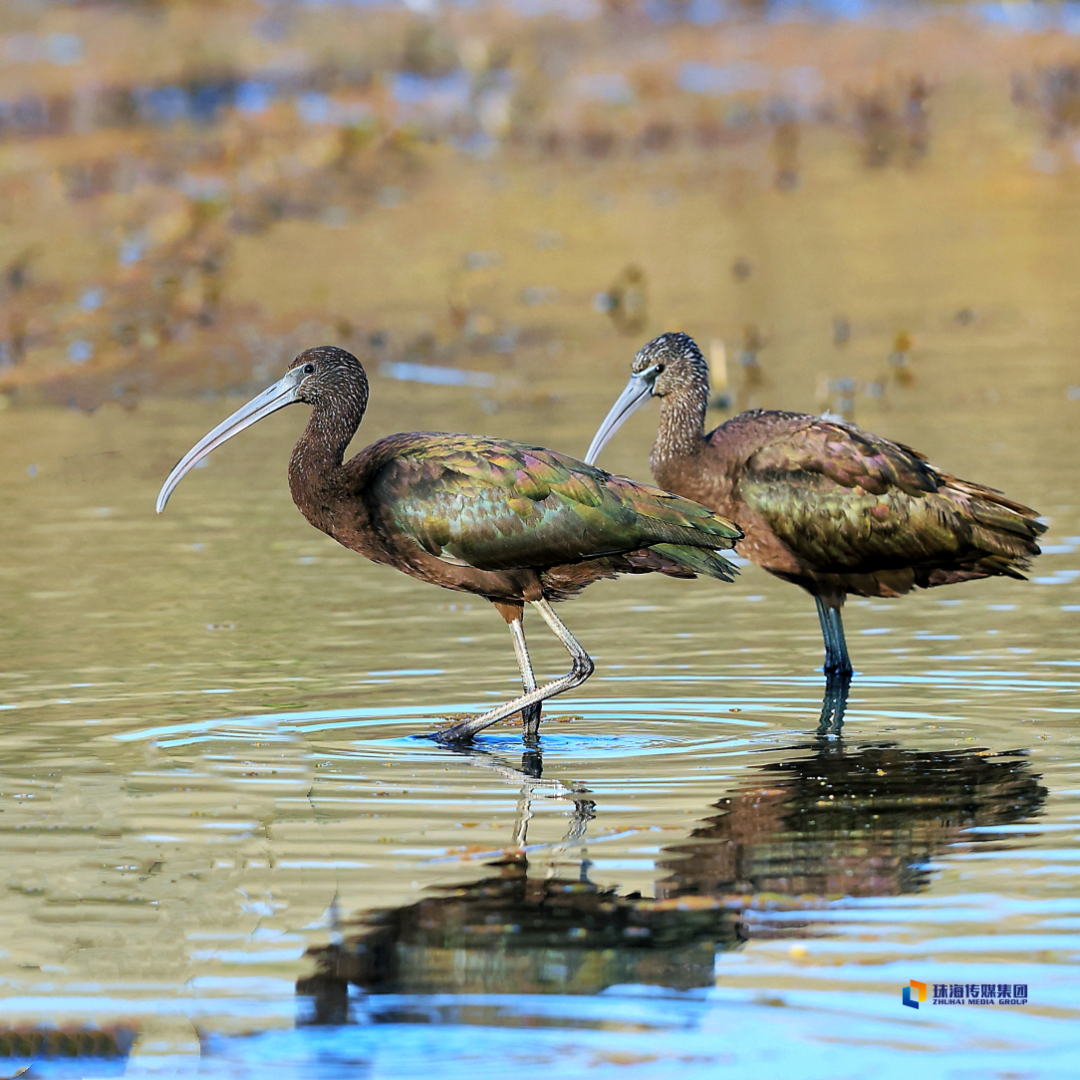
point(681, 434)
point(317, 458)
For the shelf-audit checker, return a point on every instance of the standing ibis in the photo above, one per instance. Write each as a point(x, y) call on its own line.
point(509, 522)
point(823, 504)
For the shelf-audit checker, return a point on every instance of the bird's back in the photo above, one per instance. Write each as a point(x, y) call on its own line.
point(500, 505)
point(823, 502)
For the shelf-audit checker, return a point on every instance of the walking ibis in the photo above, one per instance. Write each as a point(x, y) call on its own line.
point(513, 523)
point(822, 503)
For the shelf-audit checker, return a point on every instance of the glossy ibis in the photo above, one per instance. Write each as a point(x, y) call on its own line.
point(823, 504)
point(510, 522)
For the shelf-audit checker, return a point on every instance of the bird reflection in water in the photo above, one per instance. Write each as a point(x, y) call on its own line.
point(833, 706)
point(512, 932)
point(829, 823)
point(842, 822)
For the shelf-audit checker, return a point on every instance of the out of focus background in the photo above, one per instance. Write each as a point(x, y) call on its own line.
point(854, 205)
point(223, 850)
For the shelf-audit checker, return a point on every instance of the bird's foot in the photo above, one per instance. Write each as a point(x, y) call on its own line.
point(451, 733)
point(451, 736)
point(462, 732)
point(530, 725)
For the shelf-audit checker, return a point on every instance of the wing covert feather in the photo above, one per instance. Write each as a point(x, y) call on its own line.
point(500, 505)
point(848, 501)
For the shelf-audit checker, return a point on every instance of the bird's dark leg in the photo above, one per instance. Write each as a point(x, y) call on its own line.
point(580, 670)
point(530, 717)
point(837, 666)
point(832, 629)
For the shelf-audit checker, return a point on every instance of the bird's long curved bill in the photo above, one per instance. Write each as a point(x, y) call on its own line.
point(275, 397)
point(637, 392)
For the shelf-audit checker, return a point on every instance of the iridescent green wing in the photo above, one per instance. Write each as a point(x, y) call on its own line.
point(502, 505)
point(845, 500)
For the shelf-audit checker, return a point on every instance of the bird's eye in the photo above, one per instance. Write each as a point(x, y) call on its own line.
point(659, 369)
point(309, 369)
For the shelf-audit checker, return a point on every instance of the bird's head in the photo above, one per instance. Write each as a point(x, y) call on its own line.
point(327, 378)
point(327, 375)
point(668, 365)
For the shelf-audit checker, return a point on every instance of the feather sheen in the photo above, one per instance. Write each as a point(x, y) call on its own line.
point(504, 505)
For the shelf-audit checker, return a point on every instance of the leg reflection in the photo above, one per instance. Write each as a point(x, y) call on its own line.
point(532, 771)
point(532, 764)
point(834, 703)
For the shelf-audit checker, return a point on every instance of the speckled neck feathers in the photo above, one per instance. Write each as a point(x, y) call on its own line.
point(339, 399)
point(683, 390)
point(681, 433)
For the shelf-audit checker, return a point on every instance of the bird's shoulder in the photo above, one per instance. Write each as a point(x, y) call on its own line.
point(505, 469)
point(826, 451)
point(483, 497)
point(420, 460)
point(844, 499)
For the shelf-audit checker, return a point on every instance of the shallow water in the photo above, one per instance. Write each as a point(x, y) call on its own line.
point(213, 781)
point(227, 849)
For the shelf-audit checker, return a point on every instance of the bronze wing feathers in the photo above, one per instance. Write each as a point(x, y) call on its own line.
point(846, 501)
point(498, 505)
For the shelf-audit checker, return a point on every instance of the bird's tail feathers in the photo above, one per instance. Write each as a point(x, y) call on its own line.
point(671, 519)
point(698, 561)
point(992, 510)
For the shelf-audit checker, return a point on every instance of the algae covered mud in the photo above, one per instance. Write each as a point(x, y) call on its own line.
point(225, 852)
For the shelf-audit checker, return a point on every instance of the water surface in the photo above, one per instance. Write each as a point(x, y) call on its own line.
point(212, 785)
point(227, 849)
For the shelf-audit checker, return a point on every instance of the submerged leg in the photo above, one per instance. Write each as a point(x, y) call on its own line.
point(530, 716)
point(837, 665)
point(580, 670)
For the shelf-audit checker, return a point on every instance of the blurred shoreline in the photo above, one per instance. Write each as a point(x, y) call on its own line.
point(195, 192)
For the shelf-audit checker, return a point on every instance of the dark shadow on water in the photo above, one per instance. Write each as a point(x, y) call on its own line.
point(831, 823)
point(86, 1051)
